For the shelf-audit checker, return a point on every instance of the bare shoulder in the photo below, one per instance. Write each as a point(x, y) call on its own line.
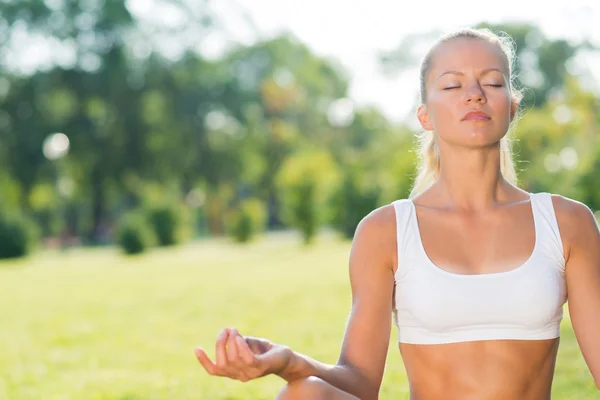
point(376, 234)
point(379, 221)
point(572, 213)
point(575, 219)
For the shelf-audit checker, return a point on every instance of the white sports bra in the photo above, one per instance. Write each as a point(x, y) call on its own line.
point(433, 306)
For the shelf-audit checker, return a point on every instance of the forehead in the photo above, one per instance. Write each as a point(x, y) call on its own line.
point(467, 54)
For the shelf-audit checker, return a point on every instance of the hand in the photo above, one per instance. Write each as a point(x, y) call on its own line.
point(244, 358)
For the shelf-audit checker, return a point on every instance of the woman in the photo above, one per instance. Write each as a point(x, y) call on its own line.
point(475, 270)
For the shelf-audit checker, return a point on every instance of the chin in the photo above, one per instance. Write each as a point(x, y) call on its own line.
point(479, 138)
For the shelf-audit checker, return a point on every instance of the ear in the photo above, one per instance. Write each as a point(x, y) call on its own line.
point(514, 107)
point(424, 118)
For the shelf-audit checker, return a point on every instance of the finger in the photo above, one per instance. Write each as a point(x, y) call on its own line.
point(245, 352)
point(206, 362)
point(257, 345)
point(232, 349)
point(220, 348)
point(253, 345)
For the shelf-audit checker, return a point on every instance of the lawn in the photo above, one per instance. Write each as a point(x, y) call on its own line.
point(94, 324)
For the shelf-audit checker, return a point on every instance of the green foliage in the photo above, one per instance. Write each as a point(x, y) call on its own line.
point(49, 221)
point(166, 221)
point(305, 211)
point(305, 183)
point(179, 123)
point(549, 156)
point(45, 206)
point(378, 164)
point(247, 220)
point(11, 192)
point(352, 202)
point(17, 236)
point(135, 234)
point(589, 180)
point(166, 211)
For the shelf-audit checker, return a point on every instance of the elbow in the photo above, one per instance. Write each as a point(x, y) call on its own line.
point(374, 396)
point(369, 395)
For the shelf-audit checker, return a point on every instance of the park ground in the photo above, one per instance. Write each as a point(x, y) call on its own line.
point(94, 324)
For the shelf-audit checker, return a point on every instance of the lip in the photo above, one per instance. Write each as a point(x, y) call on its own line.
point(474, 115)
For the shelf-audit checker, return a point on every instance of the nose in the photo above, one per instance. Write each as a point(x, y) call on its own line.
point(475, 94)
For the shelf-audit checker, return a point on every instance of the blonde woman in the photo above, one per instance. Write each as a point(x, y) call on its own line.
point(474, 270)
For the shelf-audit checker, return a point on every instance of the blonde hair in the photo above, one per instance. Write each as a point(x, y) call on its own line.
point(428, 169)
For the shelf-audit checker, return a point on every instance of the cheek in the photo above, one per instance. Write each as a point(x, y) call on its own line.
point(500, 102)
point(443, 111)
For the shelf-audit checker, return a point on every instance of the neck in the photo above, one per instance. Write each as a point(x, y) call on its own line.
point(470, 179)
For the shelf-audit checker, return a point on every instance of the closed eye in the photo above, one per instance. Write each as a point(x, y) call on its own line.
point(452, 87)
point(494, 85)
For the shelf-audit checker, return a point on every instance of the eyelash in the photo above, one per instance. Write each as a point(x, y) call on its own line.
point(456, 87)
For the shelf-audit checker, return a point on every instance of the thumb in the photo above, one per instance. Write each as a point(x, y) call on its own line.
point(275, 359)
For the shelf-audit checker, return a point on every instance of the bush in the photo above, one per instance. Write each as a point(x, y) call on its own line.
point(247, 220)
point(352, 202)
point(49, 221)
point(166, 221)
point(135, 235)
point(16, 236)
point(305, 211)
point(305, 183)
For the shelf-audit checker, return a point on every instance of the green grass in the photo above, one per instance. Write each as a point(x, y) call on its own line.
point(93, 324)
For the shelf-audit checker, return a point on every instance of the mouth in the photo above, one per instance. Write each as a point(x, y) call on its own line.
point(476, 116)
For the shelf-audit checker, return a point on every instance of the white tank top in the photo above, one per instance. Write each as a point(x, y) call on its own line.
point(433, 306)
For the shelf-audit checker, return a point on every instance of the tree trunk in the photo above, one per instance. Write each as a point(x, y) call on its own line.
point(99, 231)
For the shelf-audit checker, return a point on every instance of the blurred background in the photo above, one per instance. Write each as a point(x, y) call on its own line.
point(206, 134)
point(218, 115)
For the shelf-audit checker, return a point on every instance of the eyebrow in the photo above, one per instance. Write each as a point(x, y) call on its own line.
point(485, 71)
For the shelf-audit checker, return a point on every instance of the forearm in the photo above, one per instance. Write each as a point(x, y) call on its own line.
point(342, 377)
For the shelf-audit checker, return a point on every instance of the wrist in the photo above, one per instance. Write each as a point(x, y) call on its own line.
point(293, 368)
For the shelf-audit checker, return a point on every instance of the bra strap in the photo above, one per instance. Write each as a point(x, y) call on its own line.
point(403, 209)
point(549, 235)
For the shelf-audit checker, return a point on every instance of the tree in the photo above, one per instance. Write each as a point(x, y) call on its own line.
point(282, 92)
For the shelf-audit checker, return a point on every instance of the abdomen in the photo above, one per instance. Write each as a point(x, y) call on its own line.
point(483, 370)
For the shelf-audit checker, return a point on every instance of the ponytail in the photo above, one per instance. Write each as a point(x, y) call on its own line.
point(429, 165)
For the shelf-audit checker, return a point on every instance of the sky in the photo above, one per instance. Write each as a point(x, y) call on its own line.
point(355, 32)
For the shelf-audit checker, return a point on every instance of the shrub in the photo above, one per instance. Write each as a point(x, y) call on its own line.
point(166, 222)
point(352, 202)
point(135, 235)
point(249, 219)
point(17, 235)
point(305, 183)
point(305, 211)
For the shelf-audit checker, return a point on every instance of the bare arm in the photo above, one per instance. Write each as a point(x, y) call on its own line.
point(582, 236)
point(359, 370)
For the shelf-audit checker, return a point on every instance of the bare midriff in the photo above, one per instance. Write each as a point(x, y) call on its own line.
point(481, 370)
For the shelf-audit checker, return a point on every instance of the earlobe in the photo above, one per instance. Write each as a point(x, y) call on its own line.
point(513, 110)
point(424, 118)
